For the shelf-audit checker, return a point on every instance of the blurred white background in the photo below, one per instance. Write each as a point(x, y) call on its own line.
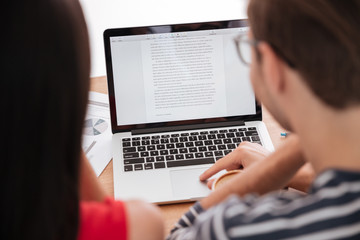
point(103, 14)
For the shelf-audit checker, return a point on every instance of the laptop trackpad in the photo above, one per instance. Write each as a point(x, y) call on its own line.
point(186, 184)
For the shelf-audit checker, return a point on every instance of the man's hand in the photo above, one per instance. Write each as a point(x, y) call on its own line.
point(242, 157)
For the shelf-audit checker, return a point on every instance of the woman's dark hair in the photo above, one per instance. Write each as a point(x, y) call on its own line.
point(44, 89)
point(320, 38)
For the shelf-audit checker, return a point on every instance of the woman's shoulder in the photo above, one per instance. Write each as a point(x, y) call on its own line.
point(102, 220)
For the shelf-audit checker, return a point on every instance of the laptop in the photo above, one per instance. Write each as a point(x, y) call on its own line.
point(180, 99)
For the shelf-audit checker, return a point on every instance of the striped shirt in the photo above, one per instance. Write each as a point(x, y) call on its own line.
point(331, 210)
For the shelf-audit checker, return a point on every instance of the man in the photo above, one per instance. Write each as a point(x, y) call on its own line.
point(305, 69)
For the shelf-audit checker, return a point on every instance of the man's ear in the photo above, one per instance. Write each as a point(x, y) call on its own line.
point(272, 69)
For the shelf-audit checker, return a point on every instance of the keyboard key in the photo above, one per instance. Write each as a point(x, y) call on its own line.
point(135, 139)
point(131, 155)
point(159, 165)
point(174, 151)
point(242, 129)
point(251, 133)
point(220, 135)
point(136, 143)
point(141, 149)
point(202, 149)
point(212, 148)
point(126, 144)
point(159, 147)
point(174, 140)
point(183, 150)
point(202, 137)
point(198, 161)
point(199, 143)
point(170, 157)
point(148, 166)
point(204, 133)
point(227, 140)
point(209, 154)
point(154, 153)
point(160, 158)
point(164, 152)
point(213, 132)
point(230, 135)
point(156, 141)
point(134, 161)
point(179, 157)
point(189, 155)
point(155, 137)
point(165, 136)
point(144, 154)
point(211, 136)
point(189, 144)
point(255, 138)
point(126, 139)
point(223, 131)
point(252, 128)
point(138, 167)
point(128, 168)
point(246, 139)
point(150, 159)
point(193, 138)
point(208, 142)
point(164, 140)
point(193, 149)
point(199, 155)
point(185, 134)
point(180, 145)
point(233, 130)
point(240, 134)
point(221, 147)
point(145, 138)
point(218, 141)
point(151, 148)
point(175, 135)
point(231, 146)
point(218, 153)
point(129, 149)
point(194, 133)
point(237, 140)
point(170, 146)
point(145, 142)
point(183, 139)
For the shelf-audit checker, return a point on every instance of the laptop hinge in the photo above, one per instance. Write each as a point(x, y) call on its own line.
point(187, 127)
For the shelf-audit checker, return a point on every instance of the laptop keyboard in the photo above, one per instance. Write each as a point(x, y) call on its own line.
point(183, 149)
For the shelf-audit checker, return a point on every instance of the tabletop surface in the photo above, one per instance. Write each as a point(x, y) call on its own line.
point(172, 212)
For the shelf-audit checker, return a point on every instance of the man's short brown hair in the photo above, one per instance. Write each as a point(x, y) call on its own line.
point(318, 38)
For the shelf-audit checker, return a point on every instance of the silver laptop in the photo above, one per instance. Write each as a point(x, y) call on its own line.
point(180, 100)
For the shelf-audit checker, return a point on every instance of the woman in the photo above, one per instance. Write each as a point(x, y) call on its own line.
point(49, 190)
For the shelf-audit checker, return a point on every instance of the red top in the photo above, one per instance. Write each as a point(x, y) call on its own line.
point(102, 220)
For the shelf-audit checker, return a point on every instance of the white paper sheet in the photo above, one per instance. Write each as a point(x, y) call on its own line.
point(97, 132)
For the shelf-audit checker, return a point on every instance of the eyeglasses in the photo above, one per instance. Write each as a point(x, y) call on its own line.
point(243, 47)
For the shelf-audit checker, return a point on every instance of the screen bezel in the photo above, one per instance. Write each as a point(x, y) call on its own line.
point(116, 32)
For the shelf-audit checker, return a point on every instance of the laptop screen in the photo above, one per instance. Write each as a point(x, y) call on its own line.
point(178, 73)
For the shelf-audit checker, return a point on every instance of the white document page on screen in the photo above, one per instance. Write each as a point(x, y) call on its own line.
point(184, 78)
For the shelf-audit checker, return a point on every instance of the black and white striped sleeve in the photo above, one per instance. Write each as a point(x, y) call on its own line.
point(180, 230)
point(330, 211)
point(222, 220)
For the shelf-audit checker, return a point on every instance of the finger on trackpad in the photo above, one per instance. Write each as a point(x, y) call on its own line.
point(186, 184)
